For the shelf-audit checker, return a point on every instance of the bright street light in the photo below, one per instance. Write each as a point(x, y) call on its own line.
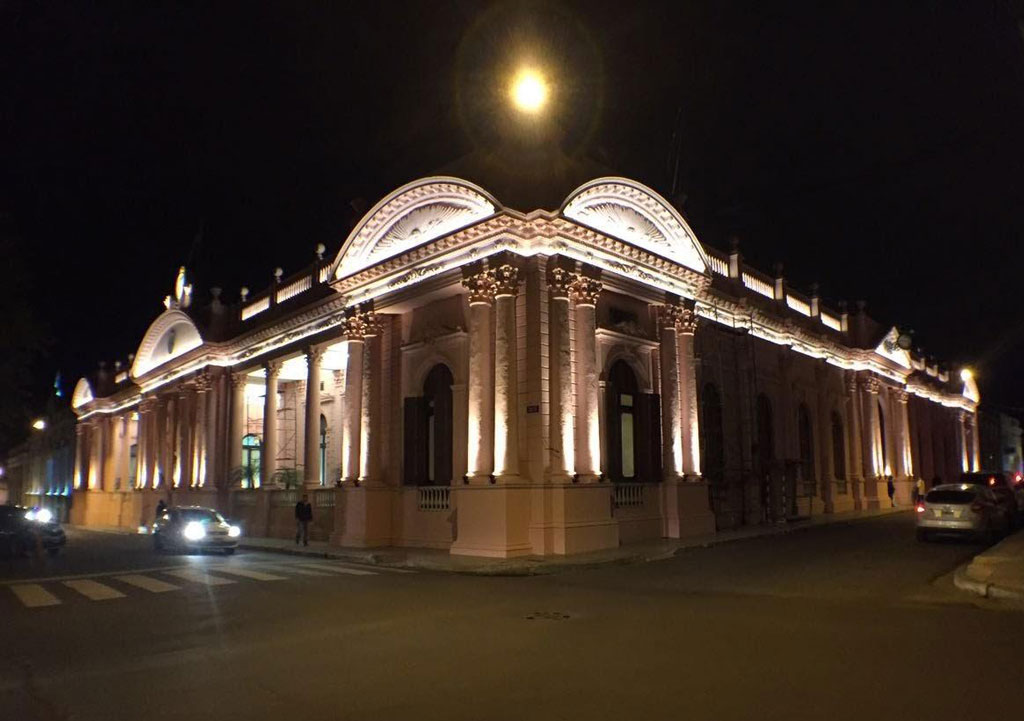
point(966, 375)
point(39, 424)
point(529, 91)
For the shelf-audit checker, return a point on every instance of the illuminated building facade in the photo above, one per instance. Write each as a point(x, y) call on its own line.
point(466, 376)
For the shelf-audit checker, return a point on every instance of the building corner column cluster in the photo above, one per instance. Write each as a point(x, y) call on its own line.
point(311, 449)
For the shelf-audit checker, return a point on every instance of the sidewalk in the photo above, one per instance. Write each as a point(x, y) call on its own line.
point(440, 560)
point(996, 573)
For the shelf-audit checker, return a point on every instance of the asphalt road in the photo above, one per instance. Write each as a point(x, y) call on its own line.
point(849, 621)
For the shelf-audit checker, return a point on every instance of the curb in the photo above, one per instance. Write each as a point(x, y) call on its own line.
point(541, 567)
point(962, 580)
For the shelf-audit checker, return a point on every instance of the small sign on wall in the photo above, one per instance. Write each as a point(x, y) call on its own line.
point(533, 409)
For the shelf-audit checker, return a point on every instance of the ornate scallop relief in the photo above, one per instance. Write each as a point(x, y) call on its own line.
point(636, 214)
point(411, 216)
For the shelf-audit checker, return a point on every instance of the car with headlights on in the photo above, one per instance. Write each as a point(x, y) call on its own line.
point(26, 529)
point(194, 528)
point(961, 509)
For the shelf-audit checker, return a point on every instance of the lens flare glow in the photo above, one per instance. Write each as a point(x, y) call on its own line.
point(529, 91)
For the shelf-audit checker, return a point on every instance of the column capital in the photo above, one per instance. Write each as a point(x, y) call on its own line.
point(584, 290)
point(80, 428)
point(238, 379)
point(314, 354)
point(360, 321)
point(679, 314)
point(870, 385)
point(901, 396)
point(203, 383)
point(148, 404)
point(850, 381)
point(506, 280)
point(560, 282)
point(481, 285)
point(962, 415)
point(272, 369)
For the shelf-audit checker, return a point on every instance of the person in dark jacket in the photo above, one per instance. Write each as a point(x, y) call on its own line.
point(891, 488)
point(303, 515)
point(161, 509)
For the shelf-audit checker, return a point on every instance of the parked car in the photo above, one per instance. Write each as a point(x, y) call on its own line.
point(1002, 485)
point(24, 529)
point(962, 508)
point(194, 528)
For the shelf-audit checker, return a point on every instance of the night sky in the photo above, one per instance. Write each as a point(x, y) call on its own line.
point(877, 149)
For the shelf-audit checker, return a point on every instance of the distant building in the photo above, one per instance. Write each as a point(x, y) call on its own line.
point(462, 375)
point(39, 471)
point(1000, 441)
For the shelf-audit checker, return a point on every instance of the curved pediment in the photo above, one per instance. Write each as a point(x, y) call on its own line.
point(171, 335)
point(410, 216)
point(634, 213)
point(82, 394)
point(890, 348)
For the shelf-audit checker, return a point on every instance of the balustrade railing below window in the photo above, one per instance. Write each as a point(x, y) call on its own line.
point(434, 498)
point(629, 495)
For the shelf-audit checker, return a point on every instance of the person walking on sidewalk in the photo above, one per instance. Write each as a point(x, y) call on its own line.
point(303, 515)
point(891, 488)
point(919, 491)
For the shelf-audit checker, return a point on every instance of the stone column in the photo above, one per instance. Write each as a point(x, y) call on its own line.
point(874, 482)
point(855, 467)
point(975, 443)
point(144, 450)
point(561, 436)
point(183, 459)
point(506, 387)
point(96, 455)
point(904, 471)
point(268, 456)
point(688, 392)
point(350, 424)
point(584, 293)
point(200, 451)
point(311, 449)
point(961, 425)
point(214, 472)
point(671, 413)
point(480, 391)
point(237, 426)
point(80, 455)
point(369, 442)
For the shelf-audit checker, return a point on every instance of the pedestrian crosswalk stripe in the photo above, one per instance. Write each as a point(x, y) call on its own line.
point(291, 568)
point(93, 590)
point(145, 582)
point(32, 595)
point(247, 573)
point(191, 574)
point(338, 569)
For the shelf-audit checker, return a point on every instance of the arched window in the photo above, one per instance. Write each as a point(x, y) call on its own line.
point(765, 435)
point(323, 450)
point(428, 431)
point(622, 423)
point(712, 446)
point(251, 450)
point(838, 450)
point(806, 438)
